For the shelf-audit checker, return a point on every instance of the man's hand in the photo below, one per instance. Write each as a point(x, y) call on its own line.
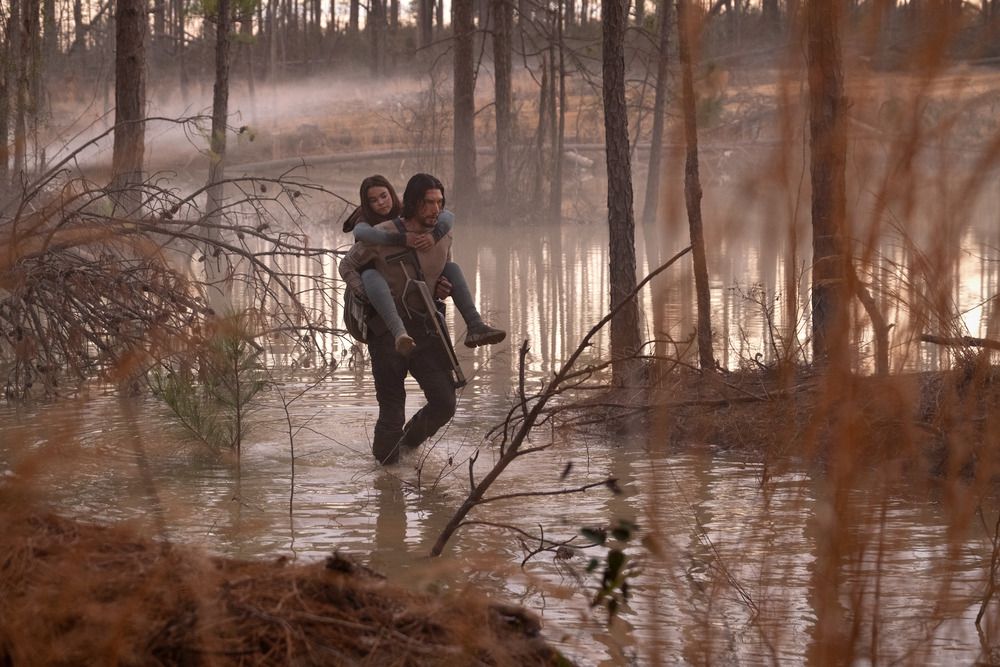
point(443, 288)
point(421, 241)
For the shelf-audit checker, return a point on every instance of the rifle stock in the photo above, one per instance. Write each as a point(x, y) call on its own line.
point(410, 266)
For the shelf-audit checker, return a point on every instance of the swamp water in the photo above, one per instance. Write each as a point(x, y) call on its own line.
point(736, 580)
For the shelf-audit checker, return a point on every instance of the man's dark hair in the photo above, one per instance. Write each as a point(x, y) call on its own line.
point(416, 188)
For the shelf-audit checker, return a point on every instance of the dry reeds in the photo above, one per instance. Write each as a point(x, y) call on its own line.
point(84, 594)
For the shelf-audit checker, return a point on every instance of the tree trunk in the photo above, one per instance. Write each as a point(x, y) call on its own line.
point(79, 32)
point(6, 84)
point(652, 198)
point(18, 41)
point(34, 71)
point(130, 97)
point(377, 32)
point(180, 47)
point(425, 17)
point(828, 158)
point(392, 43)
point(503, 19)
point(771, 16)
point(543, 97)
point(159, 26)
point(218, 295)
point(686, 34)
point(640, 12)
point(220, 107)
point(464, 28)
point(51, 40)
point(625, 340)
point(559, 118)
point(247, 43)
point(352, 20)
point(439, 9)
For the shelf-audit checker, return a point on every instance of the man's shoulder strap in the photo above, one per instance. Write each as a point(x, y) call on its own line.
point(400, 227)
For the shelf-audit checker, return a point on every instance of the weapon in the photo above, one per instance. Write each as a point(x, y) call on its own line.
point(410, 266)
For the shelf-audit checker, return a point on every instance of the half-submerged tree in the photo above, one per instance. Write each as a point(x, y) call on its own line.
point(464, 29)
point(686, 33)
point(828, 159)
point(625, 340)
point(503, 22)
point(651, 200)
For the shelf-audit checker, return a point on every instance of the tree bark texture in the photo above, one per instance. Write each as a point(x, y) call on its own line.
point(33, 72)
point(771, 16)
point(425, 18)
point(6, 86)
point(559, 118)
point(625, 340)
point(50, 42)
point(20, 46)
point(377, 29)
point(220, 107)
point(353, 17)
point(651, 201)
point(686, 34)
point(543, 97)
point(80, 32)
point(828, 159)
point(215, 195)
point(503, 20)
point(130, 92)
point(464, 28)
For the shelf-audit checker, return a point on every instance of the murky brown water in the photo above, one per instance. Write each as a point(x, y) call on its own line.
point(105, 457)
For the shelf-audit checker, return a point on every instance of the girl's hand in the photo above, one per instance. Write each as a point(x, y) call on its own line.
point(442, 289)
point(418, 241)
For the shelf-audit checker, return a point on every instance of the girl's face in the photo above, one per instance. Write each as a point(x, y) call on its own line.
point(379, 199)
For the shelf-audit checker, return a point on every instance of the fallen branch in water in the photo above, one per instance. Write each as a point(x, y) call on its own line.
point(961, 341)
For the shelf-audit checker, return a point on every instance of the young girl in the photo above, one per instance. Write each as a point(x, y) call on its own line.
point(379, 203)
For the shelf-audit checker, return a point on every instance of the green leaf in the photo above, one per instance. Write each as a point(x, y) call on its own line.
point(595, 535)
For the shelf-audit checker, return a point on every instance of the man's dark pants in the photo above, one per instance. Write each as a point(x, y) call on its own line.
point(429, 366)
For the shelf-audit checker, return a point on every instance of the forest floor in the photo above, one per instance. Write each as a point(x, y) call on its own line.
point(76, 594)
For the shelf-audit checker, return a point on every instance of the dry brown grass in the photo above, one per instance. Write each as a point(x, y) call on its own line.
point(76, 594)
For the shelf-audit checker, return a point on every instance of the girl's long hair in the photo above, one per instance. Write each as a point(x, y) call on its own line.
point(365, 212)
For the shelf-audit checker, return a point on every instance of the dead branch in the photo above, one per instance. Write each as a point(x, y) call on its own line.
point(527, 423)
point(961, 341)
point(85, 291)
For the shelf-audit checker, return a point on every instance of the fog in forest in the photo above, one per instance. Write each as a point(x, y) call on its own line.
point(745, 257)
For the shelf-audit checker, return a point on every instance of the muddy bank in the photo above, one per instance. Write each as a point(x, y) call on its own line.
point(72, 593)
point(935, 422)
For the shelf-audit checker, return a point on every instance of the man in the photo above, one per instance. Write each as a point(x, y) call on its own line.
point(428, 362)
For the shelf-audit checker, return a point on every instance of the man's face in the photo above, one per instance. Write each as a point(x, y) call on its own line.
point(429, 208)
